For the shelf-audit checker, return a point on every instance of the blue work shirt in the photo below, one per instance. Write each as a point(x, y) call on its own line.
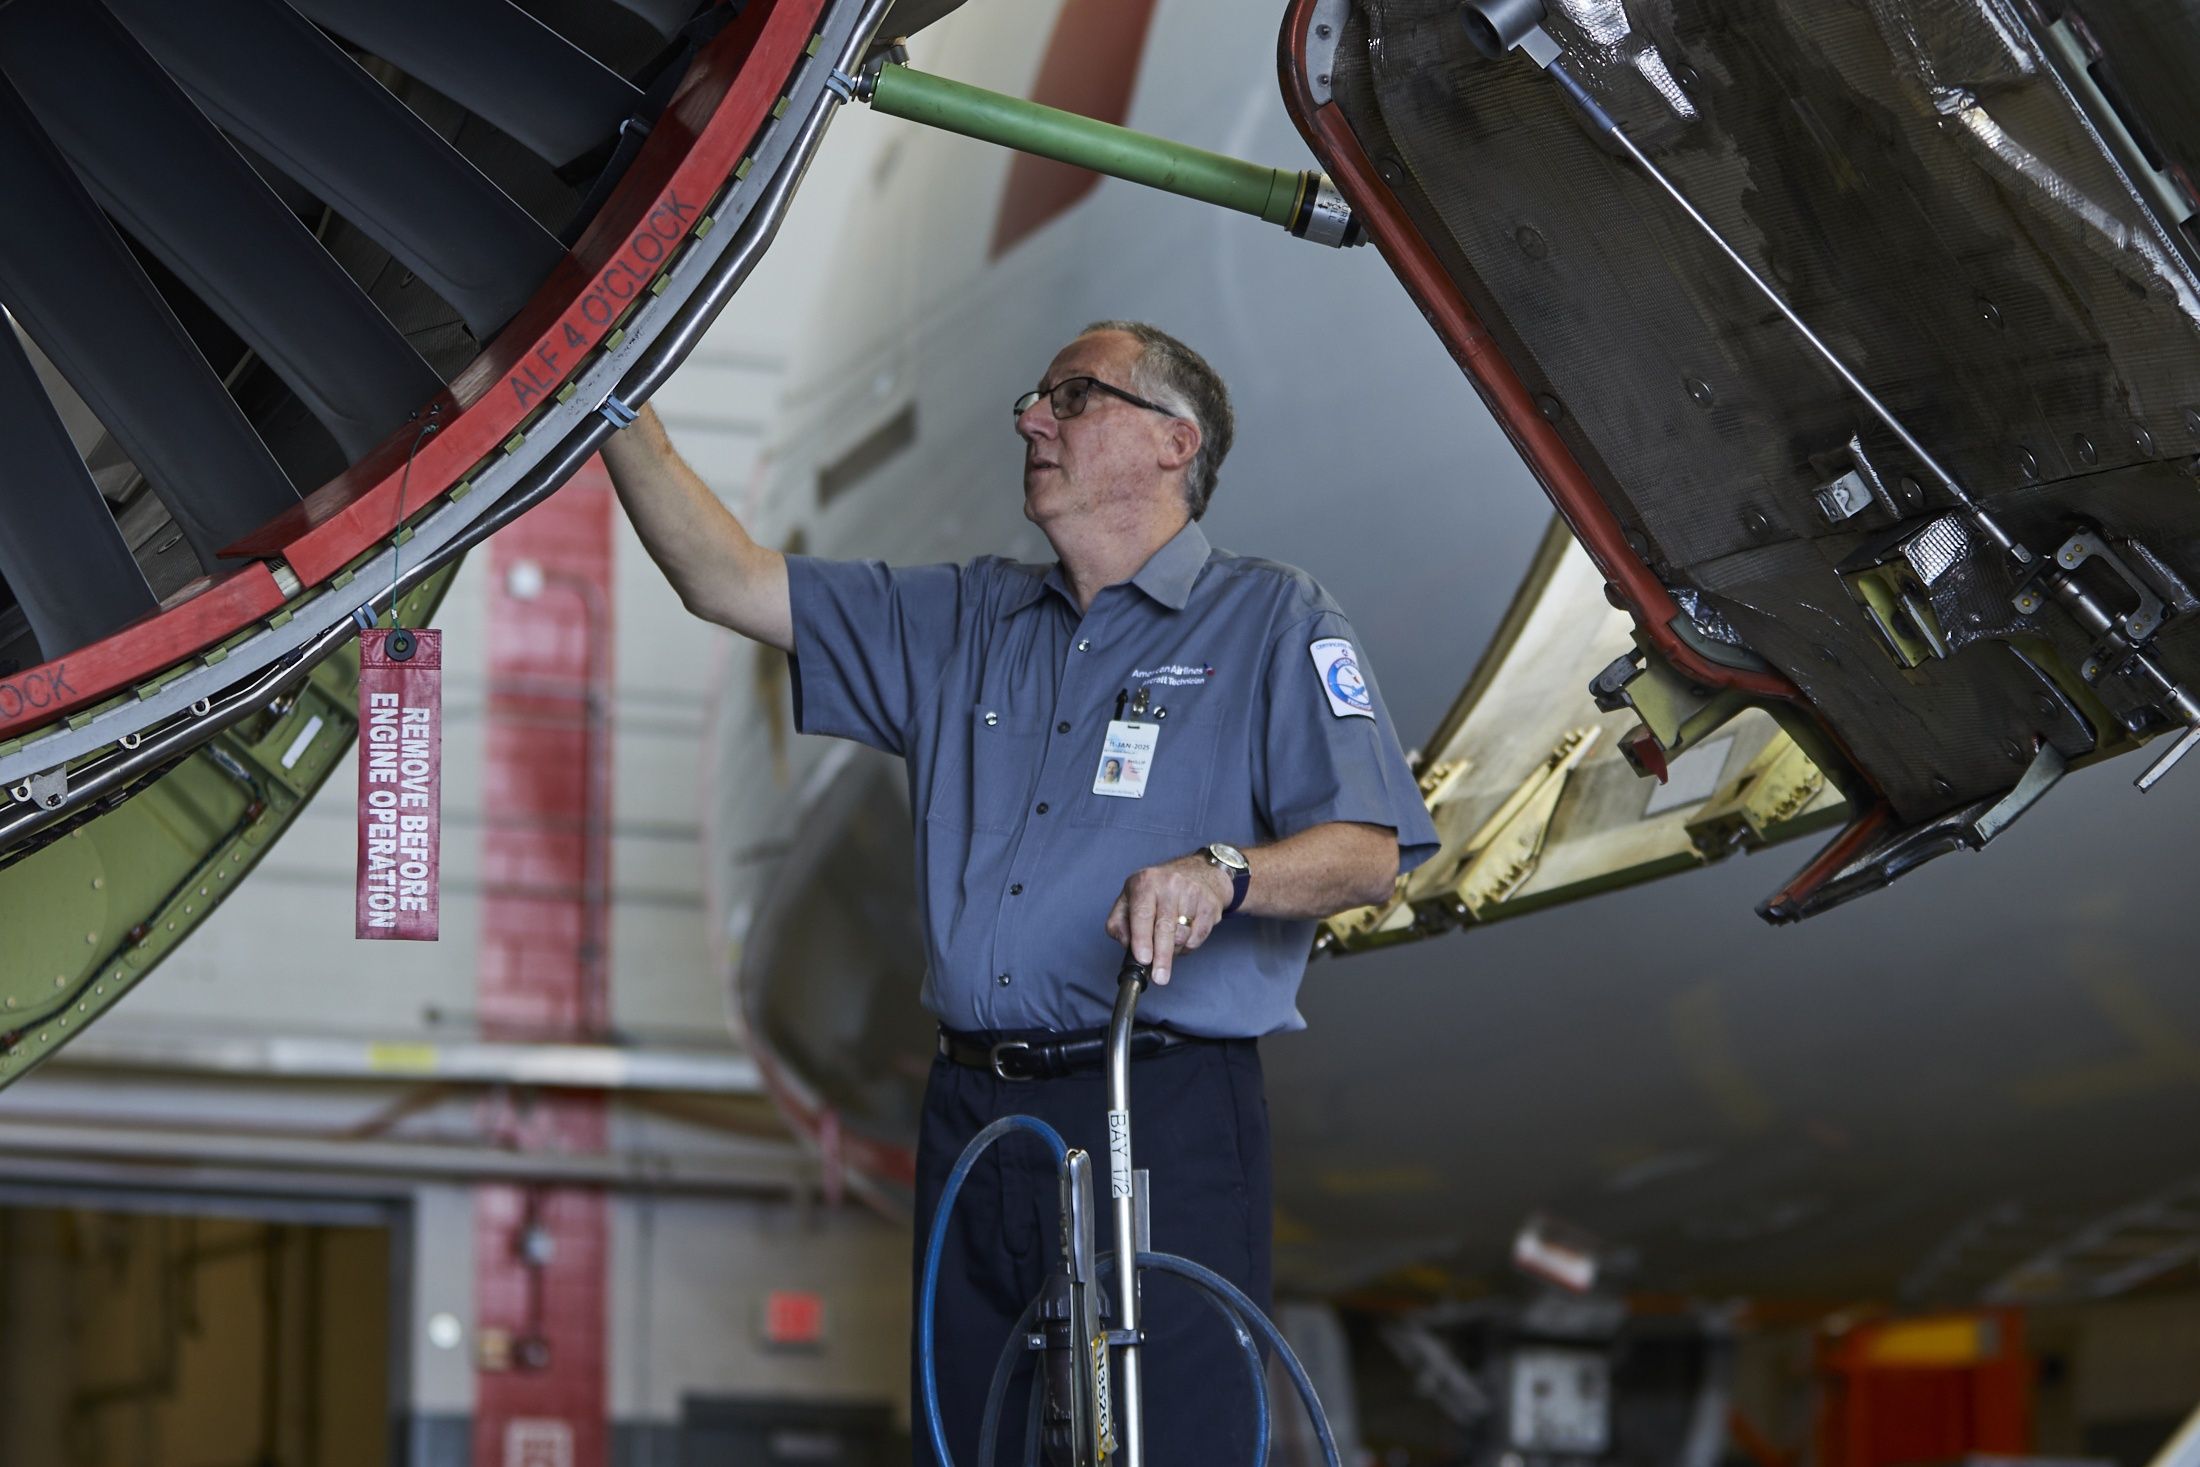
point(997, 692)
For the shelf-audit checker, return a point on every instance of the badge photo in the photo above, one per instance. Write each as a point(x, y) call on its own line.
point(1126, 760)
point(1341, 680)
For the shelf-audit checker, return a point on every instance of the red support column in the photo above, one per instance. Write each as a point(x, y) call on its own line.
point(540, 1253)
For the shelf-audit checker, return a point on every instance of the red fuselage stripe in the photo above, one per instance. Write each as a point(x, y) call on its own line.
point(1091, 68)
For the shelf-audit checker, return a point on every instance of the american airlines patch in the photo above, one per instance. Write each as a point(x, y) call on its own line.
point(1341, 680)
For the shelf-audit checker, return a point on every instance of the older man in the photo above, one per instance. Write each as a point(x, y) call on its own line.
point(1151, 743)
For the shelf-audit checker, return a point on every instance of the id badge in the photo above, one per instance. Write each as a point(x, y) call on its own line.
point(1126, 760)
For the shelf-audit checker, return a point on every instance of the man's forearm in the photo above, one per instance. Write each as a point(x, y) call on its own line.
point(1174, 906)
point(719, 571)
point(1321, 871)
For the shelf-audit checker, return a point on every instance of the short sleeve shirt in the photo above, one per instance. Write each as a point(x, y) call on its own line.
point(998, 693)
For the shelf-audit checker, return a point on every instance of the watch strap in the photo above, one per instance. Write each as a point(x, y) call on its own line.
point(1241, 878)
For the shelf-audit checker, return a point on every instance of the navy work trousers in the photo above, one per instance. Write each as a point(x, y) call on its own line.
point(1199, 1125)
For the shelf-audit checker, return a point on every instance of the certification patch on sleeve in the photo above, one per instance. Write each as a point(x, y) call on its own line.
point(1341, 680)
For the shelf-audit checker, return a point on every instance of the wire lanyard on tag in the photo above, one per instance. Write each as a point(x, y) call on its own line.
point(401, 641)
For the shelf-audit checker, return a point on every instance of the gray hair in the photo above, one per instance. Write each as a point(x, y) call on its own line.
point(1179, 379)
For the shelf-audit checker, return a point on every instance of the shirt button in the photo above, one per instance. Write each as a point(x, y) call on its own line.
point(1042, 807)
point(1017, 889)
point(1002, 980)
point(991, 719)
point(1085, 645)
point(1062, 727)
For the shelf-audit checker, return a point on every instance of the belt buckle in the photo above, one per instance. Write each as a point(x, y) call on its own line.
point(1004, 1047)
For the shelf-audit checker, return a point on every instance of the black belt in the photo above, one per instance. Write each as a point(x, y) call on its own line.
point(1050, 1059)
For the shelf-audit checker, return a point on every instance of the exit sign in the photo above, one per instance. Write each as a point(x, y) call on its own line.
point(794, 1317)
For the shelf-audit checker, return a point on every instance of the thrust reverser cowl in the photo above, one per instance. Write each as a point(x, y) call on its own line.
point(1988, 221)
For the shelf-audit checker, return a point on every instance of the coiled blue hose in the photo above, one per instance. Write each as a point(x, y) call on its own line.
point(1256, 1370)
point(928, 1291)
point(1256, 1373)
point(1237, 1310)
point(1250, 1313)
point(996, 1395)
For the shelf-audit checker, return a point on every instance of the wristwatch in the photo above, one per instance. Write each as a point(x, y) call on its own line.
point(1232, 861)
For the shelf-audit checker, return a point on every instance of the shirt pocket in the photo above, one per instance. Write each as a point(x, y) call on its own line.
point(1175, 802)
point(986, 770)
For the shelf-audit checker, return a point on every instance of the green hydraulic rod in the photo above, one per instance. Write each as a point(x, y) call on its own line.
point(1305, 203)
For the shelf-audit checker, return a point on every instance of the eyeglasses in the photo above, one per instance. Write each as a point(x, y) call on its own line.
point(1072, 395)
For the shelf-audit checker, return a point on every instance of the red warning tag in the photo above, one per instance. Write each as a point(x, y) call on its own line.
point(400, 783)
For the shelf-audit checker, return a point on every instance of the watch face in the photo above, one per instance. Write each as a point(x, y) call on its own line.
point(1228, 855)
